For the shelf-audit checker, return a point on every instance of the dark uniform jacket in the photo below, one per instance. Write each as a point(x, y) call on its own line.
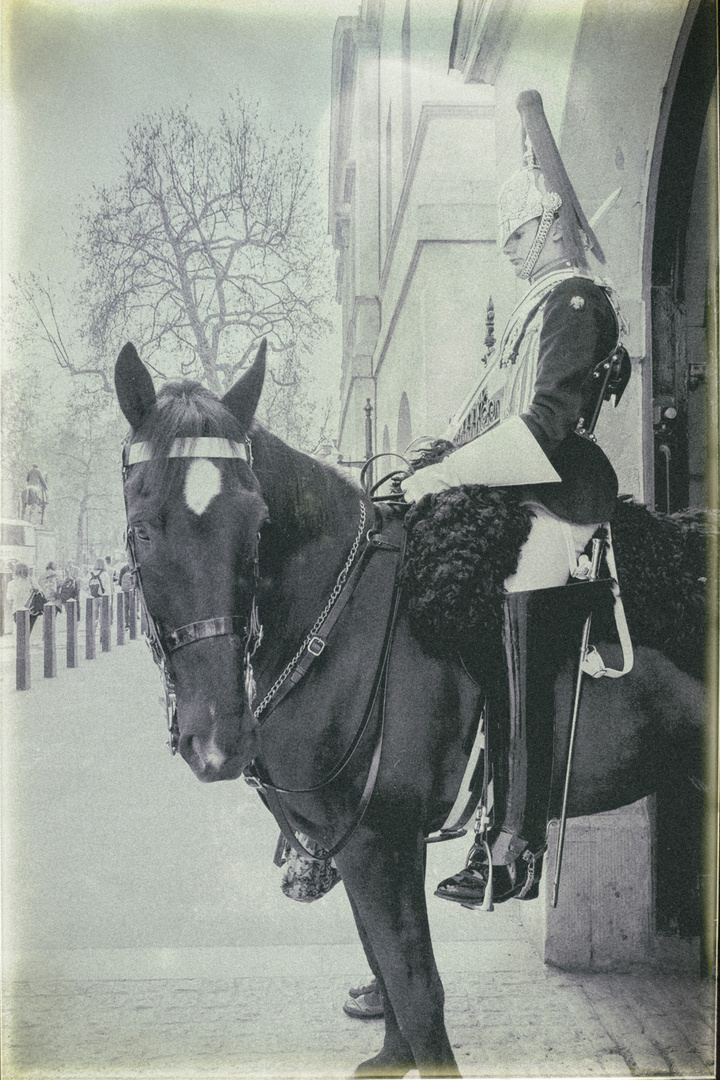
point(554, 340)
point(579, 330)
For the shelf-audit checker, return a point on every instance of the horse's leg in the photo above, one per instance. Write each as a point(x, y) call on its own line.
point(396, 1057)
point(384, 873)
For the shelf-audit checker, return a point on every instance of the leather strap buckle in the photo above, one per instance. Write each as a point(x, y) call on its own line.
point(315, 645)
point(252, 781)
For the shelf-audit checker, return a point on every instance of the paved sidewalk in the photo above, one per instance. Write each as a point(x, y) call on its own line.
point(145, 935)
point(512, 1017)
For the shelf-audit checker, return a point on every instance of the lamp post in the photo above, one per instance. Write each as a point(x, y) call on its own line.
point(368, 441)
point(368, 448)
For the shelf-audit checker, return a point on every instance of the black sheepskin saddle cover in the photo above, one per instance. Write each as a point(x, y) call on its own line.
point(463, 543)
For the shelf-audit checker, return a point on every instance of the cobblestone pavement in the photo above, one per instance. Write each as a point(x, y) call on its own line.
point(145, 934)
point(535, 1022)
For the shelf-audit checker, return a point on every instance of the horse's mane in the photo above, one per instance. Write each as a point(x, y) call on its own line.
point(305, 491)
point(186, 410)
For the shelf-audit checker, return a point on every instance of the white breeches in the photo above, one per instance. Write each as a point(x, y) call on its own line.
point(550, 554)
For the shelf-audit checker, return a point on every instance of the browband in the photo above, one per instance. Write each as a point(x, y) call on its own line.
point(206, 628)
point(201, 447)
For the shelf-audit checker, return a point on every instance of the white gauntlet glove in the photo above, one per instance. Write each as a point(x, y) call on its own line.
point(505, 456)
point(427, 481)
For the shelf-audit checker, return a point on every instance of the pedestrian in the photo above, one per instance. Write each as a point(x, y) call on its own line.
point(126, 581)
point(49, 585)
point(99, 583)
point(70, 588)
point(21, 593)
point(365, 1002)
point(112, 575)
point(542, 384)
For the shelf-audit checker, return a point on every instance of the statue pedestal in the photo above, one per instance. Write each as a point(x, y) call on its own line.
point(604, 919)
point(45, 547)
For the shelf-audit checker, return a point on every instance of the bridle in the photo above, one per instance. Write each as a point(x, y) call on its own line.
point(165, 642)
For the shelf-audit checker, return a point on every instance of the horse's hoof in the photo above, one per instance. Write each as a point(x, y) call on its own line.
point(383, 1065)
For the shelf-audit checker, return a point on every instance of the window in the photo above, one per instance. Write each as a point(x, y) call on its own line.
point(404, 428)
point(388, 178)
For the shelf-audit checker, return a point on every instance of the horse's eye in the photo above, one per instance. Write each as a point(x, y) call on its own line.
point(141, 534)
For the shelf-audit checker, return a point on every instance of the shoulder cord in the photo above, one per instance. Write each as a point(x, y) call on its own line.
point(536, 297)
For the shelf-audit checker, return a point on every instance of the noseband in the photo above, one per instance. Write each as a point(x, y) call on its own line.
point(163, 643)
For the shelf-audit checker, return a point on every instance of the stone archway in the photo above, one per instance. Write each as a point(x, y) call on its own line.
point(683, 264)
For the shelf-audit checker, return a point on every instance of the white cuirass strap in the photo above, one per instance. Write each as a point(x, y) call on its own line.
point(620, 620)
point(593, 663)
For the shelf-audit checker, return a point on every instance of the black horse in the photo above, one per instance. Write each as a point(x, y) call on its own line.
point(368, 749)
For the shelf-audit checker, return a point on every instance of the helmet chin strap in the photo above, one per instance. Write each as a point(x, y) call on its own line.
point(551, 205)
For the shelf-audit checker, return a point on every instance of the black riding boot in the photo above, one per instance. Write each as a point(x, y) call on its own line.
point(521, 746)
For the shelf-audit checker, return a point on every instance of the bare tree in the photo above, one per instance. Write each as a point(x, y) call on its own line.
point(44, 323)
point(75, 441)
point(212, 240)
point(23, 434)
point(85, 478)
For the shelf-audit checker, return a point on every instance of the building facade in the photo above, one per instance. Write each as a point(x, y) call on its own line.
point(425, 131)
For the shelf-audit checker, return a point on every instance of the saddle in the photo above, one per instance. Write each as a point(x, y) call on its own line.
point(463, 543)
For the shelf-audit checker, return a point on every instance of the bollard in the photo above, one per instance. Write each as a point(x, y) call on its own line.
point(105, 623)
point(120, 598)
point(22, 661)
point(132, 614)
point(90, 628)
point(71, 615)
point(49, 642)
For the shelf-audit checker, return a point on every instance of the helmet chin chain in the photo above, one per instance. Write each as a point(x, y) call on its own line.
point(551, 204)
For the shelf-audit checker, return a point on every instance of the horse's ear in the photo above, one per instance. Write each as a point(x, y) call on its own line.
point(242, 398)
point(134, 386)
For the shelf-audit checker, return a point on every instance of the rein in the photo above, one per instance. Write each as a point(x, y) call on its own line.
point(314, 643)
point(269, 792)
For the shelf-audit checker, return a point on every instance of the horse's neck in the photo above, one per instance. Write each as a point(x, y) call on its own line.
point(314, 519)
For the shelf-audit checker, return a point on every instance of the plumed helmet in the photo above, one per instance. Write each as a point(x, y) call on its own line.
point(542, 188)
point(523, 197)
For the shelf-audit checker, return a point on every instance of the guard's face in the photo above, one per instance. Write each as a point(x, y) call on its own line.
point(518, 244)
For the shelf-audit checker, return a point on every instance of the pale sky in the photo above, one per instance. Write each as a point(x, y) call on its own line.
point(78, 74)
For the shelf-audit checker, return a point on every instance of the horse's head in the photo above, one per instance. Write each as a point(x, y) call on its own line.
point(194, 511)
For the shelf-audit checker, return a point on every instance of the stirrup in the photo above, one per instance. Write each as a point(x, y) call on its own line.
point(534, 860)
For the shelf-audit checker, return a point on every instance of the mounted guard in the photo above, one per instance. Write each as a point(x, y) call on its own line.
point(530, 425)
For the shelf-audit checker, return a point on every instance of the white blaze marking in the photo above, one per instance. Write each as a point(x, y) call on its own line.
point(202, 483)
